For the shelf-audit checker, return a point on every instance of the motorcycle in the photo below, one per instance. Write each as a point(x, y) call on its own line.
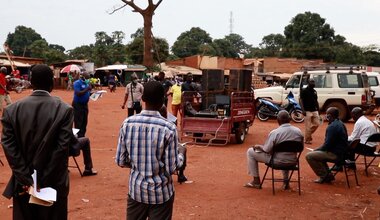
point(16, 84)
point(267, 109)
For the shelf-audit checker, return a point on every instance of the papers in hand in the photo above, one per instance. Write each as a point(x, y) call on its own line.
point(96, 95)
point(45, 197)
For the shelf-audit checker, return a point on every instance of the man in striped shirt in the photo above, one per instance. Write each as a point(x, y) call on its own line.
point(148, 144)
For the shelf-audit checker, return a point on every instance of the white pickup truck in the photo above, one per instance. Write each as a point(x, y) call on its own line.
point(341, 88)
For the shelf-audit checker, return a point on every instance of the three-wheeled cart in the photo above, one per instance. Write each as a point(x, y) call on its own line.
point(212, 117)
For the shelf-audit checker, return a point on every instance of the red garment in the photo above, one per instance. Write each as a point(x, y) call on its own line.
point(16, 74)
point(3, 82)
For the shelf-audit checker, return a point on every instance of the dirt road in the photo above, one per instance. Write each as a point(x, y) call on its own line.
point(219, 174)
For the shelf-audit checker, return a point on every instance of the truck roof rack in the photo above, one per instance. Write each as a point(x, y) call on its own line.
point(329, 67)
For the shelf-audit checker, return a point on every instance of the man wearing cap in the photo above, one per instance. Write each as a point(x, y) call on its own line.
point(4, 94)
point(82, 89)
point(133, 93)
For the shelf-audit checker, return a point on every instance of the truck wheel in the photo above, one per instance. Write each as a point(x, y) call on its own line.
point(343, 113)
point(260, 115)
point(240, 133)
point(297, 116)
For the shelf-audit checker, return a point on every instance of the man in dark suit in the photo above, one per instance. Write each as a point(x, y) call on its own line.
point(36, 136)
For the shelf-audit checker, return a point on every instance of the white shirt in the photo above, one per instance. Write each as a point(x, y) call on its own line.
point(137, 92)
point(363, 128)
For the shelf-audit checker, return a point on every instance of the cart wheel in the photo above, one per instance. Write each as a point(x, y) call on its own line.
point(240, 133)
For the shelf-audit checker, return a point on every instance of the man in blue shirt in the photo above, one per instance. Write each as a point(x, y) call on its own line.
point(333, 149)
point(82, 90)
point(148, 144)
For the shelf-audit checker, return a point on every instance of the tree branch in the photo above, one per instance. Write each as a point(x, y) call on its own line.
point(132, 4)
point(117, 9)
point(156, 6)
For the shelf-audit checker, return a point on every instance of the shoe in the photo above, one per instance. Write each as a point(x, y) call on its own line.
point(350, 164)
point(90, 172)
point(285, 185)
point(328, 179)
point(338, 168)
point(252, 185)
point(181, 179)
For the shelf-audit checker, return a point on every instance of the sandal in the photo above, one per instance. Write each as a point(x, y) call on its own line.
point(252, 185)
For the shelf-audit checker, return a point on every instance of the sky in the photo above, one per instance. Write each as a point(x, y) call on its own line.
point(73, 23)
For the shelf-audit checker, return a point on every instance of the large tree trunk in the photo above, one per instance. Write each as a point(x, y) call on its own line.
point(148, 46)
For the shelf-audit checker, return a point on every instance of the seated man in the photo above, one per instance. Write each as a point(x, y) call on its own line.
point(83, 143)
point(334, 148)
point(363, 128)
point(261, 153)
point(181, 148)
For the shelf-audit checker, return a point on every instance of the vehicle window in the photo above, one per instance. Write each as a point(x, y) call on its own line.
point(323, 81)
point(350, 81)
point(293, 82)
point(373, 81)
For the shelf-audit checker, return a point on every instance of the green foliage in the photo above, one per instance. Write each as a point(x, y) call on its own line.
point(82, 52)
point(238, 44)
point(224, 48)
point(189, 43)
point(308, 36)
point(21, 39)
point(272, 45)
point(135, 48)
point(26, 42)
point(372, 58)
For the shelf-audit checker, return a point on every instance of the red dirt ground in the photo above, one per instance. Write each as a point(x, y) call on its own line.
point(219, 174)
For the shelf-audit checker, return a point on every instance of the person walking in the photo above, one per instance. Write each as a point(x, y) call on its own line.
point(36, 136)
point(82, 90)
point(310, 107)
point(176, 92)
point(133, 93)
point(148, 145)
point(4, 94)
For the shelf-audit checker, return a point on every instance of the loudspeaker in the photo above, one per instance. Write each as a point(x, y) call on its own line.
point(240, 80)
point(212, 79)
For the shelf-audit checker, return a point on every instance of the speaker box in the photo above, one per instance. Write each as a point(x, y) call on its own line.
point(240, 80)
point(212, 79)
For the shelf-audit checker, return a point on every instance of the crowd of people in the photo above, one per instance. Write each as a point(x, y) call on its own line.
point(38, 132)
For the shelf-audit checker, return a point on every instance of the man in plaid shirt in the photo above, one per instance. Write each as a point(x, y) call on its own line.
point(148, 144)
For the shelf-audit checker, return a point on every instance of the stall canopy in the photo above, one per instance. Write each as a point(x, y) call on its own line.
point(123, 67)
point(4, 62)
point(172, 70)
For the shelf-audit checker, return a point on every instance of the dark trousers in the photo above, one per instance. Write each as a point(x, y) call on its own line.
point(361, 149)
point(80, 117)
point(138, 210)
point(84, 145)
point(131, 111)
point(23, 210)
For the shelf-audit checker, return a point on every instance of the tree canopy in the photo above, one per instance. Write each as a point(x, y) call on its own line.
point(189, 43)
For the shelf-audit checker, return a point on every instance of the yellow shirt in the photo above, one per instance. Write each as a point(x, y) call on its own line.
point(176, 90)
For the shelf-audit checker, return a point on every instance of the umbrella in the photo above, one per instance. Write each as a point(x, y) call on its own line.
point(70, 68)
